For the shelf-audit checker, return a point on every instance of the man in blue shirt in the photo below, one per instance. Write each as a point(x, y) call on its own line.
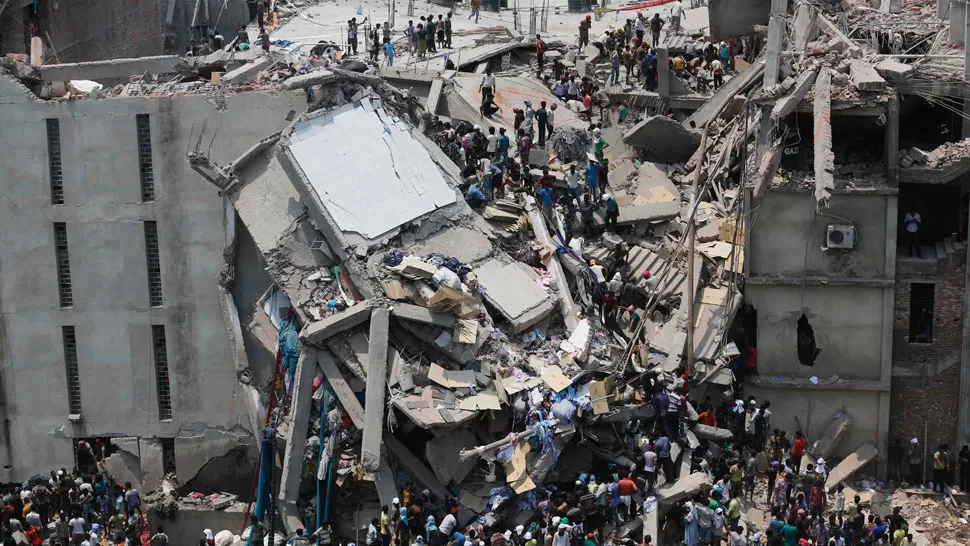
point(546, 195)
point(650, 71)
point(503, 143)
point(475, 197)
point(662, 447)
point(592, 178)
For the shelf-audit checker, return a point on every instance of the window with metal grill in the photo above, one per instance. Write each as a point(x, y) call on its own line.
point(54, 161)
point(154, 265)
point(161, 373)
point(921, 312)
point(63, 263)
point(70, 365)
point(145, 158)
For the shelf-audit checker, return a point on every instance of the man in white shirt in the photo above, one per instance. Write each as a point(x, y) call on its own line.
point(913, 223)
point(676, 11)
point(491, 145)
point(573, 178)
point(488, 85)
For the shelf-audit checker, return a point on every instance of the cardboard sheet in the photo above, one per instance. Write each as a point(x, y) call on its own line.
point(451, 379)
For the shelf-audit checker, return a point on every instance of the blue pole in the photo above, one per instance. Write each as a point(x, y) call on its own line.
point(324, 409)
point(262, 492)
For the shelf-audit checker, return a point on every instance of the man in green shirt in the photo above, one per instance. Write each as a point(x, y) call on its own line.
point(790, 534)
point(599, 144)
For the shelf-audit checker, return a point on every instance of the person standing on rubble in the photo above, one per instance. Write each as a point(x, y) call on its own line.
point(448, 31)
point(352, 36)
point(540, 54)
point(389, 53)
point(487, 86)
point(655, 25)
point(639, 27)
point(409, 32)
point(525, 147)
point(676, 11)
point(717, 71)
point(614, 68)
point(941, 465)
point(592, 178)
point(584, 31)
point(440, 27)
point(386, 34)
point(650, 71)
point(542, 118)
point(474, 4)
point(612, 213)
point(432, 28)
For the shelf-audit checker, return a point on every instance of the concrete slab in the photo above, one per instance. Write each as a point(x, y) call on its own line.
point(113, 69)
point(338, 383)
point(787, 105)
point(316, 332)
point(824, 160)
point(682, 489)
point(376, 388)
point(367, 170)
point(893, 70)
point(663, 140)
point(434, 98)
point(418, 471)
point(416, 313)
point(837, 428)
point(865, 77)
point(713, 434)
point(246, 72)
point(514, 293)
point(855, 461)
point(440, 452)
point(151, 462)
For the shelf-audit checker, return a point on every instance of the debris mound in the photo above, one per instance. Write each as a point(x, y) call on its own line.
point(570, 143)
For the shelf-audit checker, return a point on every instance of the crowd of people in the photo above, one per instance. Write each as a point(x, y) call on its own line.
point(80, 508)
point(759, 466)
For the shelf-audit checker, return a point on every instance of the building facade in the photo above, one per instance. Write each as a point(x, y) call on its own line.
point(111, 251)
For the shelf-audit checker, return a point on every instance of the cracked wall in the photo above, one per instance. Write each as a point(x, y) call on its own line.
point(111, 313)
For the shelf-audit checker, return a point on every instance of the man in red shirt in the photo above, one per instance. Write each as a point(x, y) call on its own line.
point(797, 450)
point(627, 488)
point(540, 53)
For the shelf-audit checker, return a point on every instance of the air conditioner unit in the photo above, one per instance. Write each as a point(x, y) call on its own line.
point(840, 237)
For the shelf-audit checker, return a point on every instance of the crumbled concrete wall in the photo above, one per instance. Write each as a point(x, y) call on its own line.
point(152, 463)
point(195, 449)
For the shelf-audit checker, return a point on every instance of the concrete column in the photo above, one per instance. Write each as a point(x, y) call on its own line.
point(892, 141)
point(942, 8)
point(663, 73)
point(376, 387)
point(958, 21)
point(888, 318)
point(306, 367)
point(774, 47)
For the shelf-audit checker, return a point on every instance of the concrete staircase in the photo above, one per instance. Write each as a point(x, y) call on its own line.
point(937, 259)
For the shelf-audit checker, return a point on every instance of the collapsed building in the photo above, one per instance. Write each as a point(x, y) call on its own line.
point(328, 281)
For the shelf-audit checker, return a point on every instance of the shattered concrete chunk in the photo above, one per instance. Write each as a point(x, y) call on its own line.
point(865, 77)
point(316, 332)
point(663, 140)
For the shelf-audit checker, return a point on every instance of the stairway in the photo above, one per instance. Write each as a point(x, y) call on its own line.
point(937, 259)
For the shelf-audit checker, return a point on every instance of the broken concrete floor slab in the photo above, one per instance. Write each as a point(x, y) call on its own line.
point(351, 317)
point(514, 293)
point(850, 465)
point(663, 140)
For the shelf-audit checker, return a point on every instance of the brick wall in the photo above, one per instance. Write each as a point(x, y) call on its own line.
point(926, 377)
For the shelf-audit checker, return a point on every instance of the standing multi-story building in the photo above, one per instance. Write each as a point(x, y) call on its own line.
point(111, 249)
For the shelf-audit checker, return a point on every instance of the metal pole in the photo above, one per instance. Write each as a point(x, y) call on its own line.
point(269, 433)
point(324, 409)
point(690, 253)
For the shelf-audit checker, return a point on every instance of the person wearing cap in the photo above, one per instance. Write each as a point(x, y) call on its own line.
point(724, 54)
point(528, 121)
point(561, 536)
point(612, 213)
point(915, 462)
